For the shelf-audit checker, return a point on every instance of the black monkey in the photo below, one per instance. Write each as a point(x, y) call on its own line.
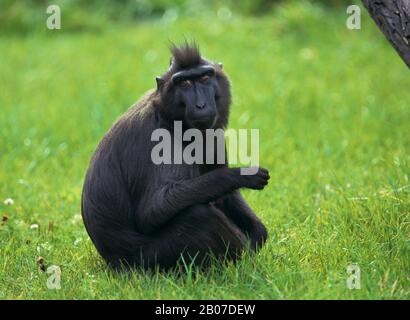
point(139, 214)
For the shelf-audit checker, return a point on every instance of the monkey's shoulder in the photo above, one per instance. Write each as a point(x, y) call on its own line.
point(141, 112)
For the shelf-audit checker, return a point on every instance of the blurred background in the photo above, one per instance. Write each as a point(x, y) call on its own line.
point(28, 15)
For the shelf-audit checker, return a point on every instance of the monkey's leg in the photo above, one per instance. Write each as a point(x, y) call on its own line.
point(195, 233)
point(236, 209)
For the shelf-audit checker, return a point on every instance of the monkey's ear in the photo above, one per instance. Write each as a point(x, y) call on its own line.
point(220, 64)
point(159, 81)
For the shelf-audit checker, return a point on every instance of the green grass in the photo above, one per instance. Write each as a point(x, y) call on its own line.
point(332, 106)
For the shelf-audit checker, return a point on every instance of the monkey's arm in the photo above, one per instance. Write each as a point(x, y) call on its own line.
point(178, 195)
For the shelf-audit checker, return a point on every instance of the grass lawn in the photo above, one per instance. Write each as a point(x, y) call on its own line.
point(332, 106)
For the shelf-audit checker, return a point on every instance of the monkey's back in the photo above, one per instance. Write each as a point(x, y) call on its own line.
point(116, 176)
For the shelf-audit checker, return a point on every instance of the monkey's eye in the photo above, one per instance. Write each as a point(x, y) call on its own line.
point(186, 84)
point(204, 78)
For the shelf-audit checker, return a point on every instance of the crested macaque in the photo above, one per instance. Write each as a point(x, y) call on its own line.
point(143, 215)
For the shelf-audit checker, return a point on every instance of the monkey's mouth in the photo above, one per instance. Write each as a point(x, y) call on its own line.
point(204, 123)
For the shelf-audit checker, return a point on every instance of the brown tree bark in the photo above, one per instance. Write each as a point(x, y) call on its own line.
point(393, 19)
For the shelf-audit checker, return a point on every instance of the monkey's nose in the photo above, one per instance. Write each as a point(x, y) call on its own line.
point(200, 105)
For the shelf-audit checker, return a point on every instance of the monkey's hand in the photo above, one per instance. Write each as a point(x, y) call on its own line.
point(255, 181)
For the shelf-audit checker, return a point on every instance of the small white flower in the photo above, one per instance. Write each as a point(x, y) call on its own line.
point(76, 219)
point(46, 246)
point(9, 202)
point(27, 142)
point(34, 226)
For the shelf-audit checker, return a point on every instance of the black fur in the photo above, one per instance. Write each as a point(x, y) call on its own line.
point(139, 214)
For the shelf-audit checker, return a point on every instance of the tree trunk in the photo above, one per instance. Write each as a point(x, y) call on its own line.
point(393, 18)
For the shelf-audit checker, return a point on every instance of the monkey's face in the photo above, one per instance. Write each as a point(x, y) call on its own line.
point(195, 91)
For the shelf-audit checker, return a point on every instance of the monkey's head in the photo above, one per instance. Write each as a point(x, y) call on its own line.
point(194, 90)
